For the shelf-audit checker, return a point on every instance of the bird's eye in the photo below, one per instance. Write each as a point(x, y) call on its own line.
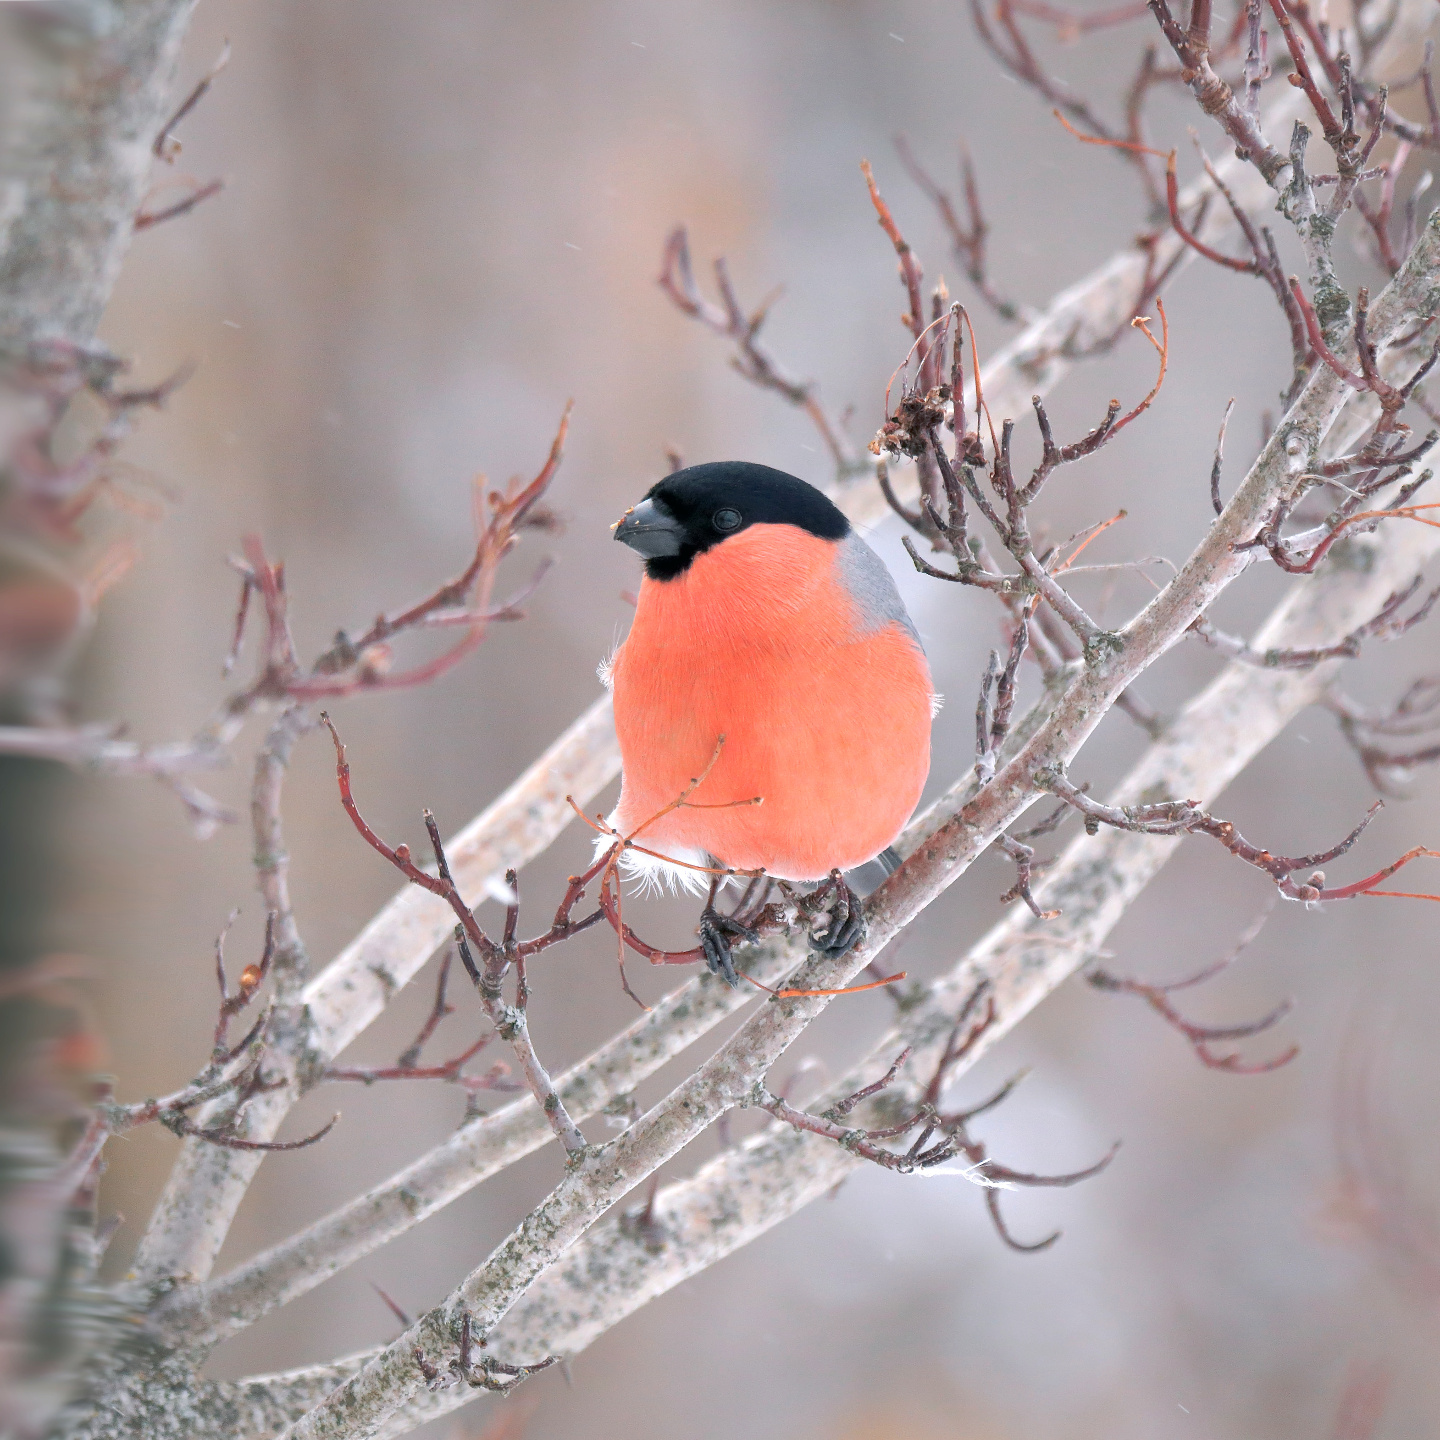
point(727, 519)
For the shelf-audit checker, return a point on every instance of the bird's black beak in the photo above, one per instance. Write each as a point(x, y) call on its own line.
point(651, 530)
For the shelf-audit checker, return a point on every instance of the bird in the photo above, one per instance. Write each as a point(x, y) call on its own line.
point(771, 660)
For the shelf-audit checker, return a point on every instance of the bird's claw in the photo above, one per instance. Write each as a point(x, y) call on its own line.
point(716, 933)
point(847, 921)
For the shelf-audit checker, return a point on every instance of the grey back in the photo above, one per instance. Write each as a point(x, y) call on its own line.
point(870, 585)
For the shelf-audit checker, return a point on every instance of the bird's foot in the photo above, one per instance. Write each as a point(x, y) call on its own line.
point(846, 927)
point(716, 932)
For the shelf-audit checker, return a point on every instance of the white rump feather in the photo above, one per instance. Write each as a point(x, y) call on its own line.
point(652, 876)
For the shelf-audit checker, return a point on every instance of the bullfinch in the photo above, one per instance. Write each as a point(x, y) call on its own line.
point(763, 618)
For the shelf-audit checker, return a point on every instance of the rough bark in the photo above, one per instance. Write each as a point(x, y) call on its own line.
point(87, 90)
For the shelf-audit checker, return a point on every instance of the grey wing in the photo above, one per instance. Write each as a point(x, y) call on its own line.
point(869, 582)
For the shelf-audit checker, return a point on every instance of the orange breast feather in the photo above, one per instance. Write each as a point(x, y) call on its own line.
point(825, 717)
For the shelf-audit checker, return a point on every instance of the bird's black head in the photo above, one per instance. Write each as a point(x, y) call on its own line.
point(693, 510)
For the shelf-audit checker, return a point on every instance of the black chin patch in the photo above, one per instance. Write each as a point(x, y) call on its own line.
point(667, 567)
point(706, 499)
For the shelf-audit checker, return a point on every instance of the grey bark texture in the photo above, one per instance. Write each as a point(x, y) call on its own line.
point(87, 87)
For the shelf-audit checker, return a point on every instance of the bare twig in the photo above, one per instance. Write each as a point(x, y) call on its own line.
point(752, 359)
point(487, 975)
point(1203, 1037)
point(1176, 817)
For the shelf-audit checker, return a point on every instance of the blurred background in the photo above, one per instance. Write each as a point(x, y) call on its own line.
point(441, 221)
